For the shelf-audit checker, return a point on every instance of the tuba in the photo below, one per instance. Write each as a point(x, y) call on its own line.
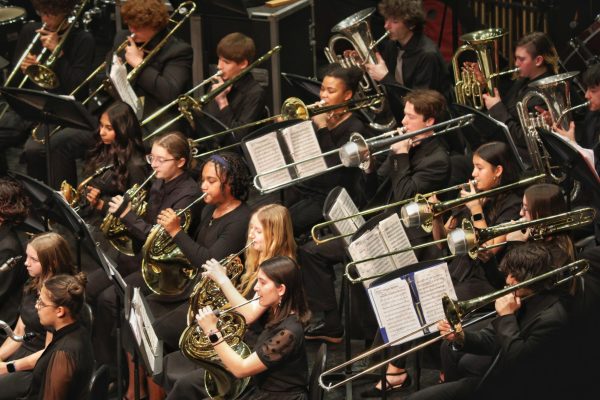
point(356, 30)
point(484, 43)
point(166, 270)
point(112, 227)
point(555, 93)
point(195, 345)
point(76, 197)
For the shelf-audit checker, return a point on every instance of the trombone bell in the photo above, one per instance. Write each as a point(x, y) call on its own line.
point(42, 76)
point(416, 213)
point(356, 152)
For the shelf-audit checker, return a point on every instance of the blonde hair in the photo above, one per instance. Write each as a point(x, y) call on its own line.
point(279, 241)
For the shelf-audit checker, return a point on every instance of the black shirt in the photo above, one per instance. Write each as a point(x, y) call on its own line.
point(11, 284)
point(66, 366)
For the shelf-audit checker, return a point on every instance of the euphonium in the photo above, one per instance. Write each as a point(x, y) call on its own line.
point(555, 93)
point(195, 345)
point(76, 197)
point(112, 227)
point(484, 43)
point(166, 270)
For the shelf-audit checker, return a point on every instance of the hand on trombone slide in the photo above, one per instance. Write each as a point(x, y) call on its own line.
point(30, 59)
point(452, 335)
point(48, 39)
point(221, 98)
point(134, 55)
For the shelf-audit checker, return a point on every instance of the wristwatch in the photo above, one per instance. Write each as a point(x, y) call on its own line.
point(214, 336)
point(10, 367)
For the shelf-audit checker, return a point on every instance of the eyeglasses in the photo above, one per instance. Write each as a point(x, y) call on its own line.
point(40, 304)
point(159, 160)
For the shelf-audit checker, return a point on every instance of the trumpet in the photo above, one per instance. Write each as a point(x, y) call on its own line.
point(76, 197)
point(455, 313)
point(359, 151)
point(294, 108)
point(314, 230)
point(188, 104)
point(166, 270)
point(467, 240)
point(421, 212)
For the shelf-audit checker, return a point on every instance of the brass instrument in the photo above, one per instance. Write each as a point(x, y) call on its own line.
point(468, 240)
point(359, 151)
point(555, 93)
point(42, 74)
point(314, 230)
point(195, 345)
point(485, 45)
point(566, 112)
point(114, 230)
point(421, 212)
point(294, 108)
point(76, 197)
point(455, 313)
point(166, 270)
point(188, 104)
point(356, 30)
point(11, 334)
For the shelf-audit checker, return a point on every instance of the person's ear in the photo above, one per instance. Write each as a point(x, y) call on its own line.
point(539, 60)
point(281, 290)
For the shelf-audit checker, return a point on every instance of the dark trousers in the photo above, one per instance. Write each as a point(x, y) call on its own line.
point(66, 146)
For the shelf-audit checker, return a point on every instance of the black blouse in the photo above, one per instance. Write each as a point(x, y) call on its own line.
point(66, 366)
point(11, 284)
point(31, 320)
point(281, 348)
point(216, 237)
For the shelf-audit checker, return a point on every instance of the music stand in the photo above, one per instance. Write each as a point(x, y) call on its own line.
point(395, 96)
point(310, 86)
point(571, 161)
point(47, 108)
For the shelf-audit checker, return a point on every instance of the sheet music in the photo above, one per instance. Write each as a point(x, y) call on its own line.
point(396, 314)
point(395, 238)
point(370, 244)
point(302, 143)
point(343, 206)
point(588, 154)
point(142, 327)
point(118, 77)
point(266, 155)
point(432, 284)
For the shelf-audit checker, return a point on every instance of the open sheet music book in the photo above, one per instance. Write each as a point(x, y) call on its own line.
point(404, 304)
point(140, 321)
point(387, 236)
point(118, 78)
point(338, 205)
point(276, 149)
point(587, 154)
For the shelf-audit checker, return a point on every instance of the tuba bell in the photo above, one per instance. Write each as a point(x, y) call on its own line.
point(555, 93)
point(484, 43)
point(356, 30)
point(166, 270)
point(195, 345)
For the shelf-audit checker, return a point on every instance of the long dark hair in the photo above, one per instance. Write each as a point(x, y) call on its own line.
point(284, 270)
point(128, 142)
point(498, 153)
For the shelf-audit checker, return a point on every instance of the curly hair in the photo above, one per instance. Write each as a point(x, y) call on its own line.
point(128, 141)
point(54, 256)
point(53, 7)
point(145, 13)
point(14, 203)
point(409, 11)
point(67, 291)
point(236, 47)
point(233, 171)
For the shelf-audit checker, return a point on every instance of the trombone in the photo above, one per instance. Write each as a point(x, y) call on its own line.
point(357, 152)
point(294, 108)
point(467, 240)
point(317, 227)
point(421, 212)
point(456, 312)
point(187, 104)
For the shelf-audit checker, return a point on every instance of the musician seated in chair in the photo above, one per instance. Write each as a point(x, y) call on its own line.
point(528, 338)
point(71, 67)
point(409, 58)
point(242, 102)
point(160, 80)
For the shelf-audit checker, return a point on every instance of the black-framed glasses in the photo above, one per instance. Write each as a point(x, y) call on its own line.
point(159, 160)
point(40, 304)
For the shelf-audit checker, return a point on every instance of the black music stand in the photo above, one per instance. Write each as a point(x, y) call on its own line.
point(395, 97)
point(47, 108)
point(310, 86)
point(571, 161)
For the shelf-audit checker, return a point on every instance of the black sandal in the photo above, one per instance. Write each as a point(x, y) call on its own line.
point(374, 392)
